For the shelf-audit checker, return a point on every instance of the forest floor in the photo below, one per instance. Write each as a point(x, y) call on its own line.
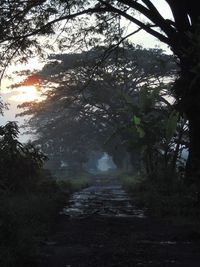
point(101, 227)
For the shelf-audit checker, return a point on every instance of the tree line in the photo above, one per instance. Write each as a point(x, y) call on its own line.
point(92, 22)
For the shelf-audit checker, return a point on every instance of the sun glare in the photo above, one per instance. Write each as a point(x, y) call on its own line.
point(26, 94)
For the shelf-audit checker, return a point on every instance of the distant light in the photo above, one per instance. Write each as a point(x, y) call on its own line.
point(26, 94)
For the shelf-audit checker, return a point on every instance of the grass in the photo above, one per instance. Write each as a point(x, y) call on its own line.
point(27, 217)
point(75, 182)
point(25, 220)
point(172, 201)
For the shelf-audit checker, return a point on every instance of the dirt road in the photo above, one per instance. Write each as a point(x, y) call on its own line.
point(101, 227)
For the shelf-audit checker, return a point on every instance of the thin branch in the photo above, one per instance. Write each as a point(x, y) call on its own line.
point(67, 17)
point(153, 15)
point(145, 27)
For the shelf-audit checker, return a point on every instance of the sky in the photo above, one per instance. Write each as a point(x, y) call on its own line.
point(17, 96)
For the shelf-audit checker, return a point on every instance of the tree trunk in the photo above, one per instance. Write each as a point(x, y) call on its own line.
point(193, 162)
point(187, 89)
point(177, 148)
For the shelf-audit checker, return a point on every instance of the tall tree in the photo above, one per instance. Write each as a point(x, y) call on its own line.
point(20, 28)
point(82, 112)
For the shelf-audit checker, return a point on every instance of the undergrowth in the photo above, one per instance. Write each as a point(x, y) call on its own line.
point(170, 200)
point(27, 217)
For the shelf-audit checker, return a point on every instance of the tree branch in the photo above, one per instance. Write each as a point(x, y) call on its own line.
point(180, 14)
point(152, 14)
point(145, 27)
point(67, 17)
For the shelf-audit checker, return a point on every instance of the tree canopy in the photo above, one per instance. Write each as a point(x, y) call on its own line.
point(89, 111)
point(87, 23)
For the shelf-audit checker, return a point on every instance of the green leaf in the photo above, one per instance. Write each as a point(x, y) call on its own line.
point(136, 120)
point(141, 131)
point(138, 126)
point(171, 125)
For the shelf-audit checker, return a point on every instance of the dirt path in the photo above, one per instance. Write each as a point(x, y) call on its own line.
point(101, 227)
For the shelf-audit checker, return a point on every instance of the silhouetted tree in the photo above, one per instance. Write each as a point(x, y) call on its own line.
point(19, 164)
point(82, 112)
point(23, 21)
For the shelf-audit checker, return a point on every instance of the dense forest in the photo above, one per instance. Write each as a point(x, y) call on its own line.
point(102, 97)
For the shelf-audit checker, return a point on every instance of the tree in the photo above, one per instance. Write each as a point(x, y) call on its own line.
point(19, 31)
point(19, 164)
point(159, 133)
point(81, 111)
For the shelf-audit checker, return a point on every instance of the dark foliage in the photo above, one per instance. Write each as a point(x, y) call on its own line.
point(87, 23)
point(19, 164)
point(91, 103)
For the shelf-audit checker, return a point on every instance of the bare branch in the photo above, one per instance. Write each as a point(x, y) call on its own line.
point(142, 25)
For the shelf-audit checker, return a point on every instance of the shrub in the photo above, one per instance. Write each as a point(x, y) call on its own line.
point(19, 164)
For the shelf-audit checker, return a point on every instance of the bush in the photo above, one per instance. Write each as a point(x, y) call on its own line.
point(20, 164)
point(75, 182)
point(29, 199)
point(25, 219)
point(170, 200)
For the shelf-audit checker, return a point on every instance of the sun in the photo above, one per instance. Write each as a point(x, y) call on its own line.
point(26, 94)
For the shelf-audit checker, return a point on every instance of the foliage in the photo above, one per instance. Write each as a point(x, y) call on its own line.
point(25, 207)
point(19, 164)
point(86, 104)
point(75, 183)
point(26, 219)
point(100, 22)
point(157, 131)
point(174, 201)
point(103, 20)
point(29, 200)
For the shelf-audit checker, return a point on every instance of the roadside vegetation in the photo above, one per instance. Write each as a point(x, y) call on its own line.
point(132, 116)
point(125, 107)
point(101, 94)
point(174, 202)
point(30, 199)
